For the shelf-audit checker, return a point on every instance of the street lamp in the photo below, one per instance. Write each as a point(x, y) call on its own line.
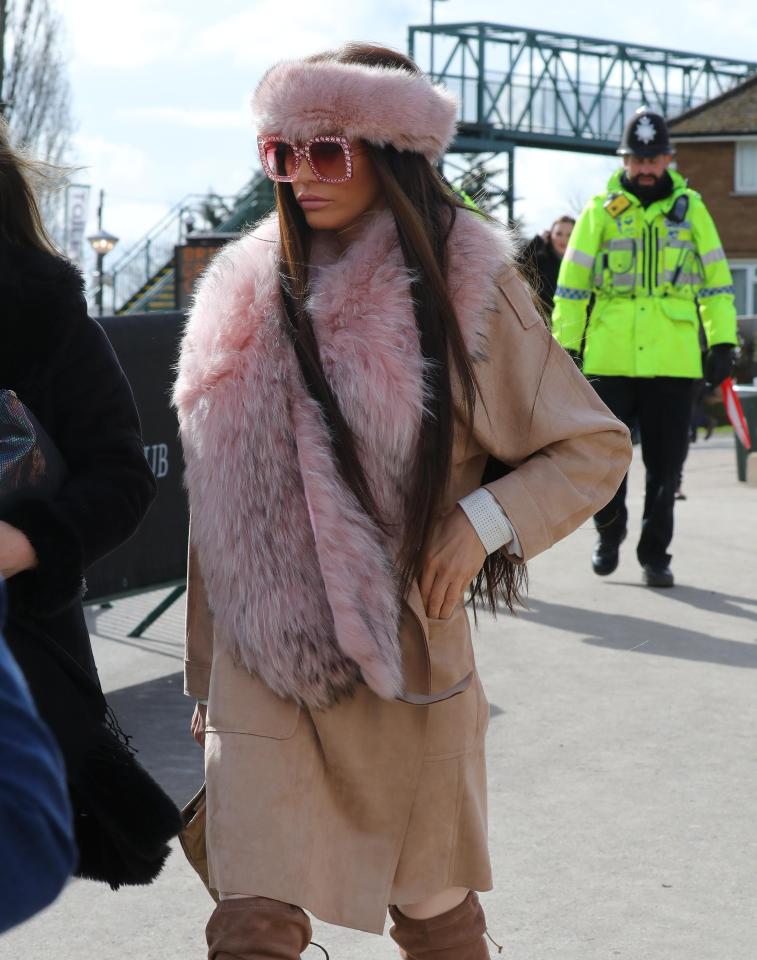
point(102, 243)
point(433, 8)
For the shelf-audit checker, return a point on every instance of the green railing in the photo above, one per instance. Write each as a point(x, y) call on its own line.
point(536, 88)
point(147, 257)
point(196, 213)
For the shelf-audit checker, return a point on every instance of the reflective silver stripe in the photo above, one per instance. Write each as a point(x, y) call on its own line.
point(623, 244)
point(579, 257)
point(623, 279)
point(683, 278)
point(679, 244)
point(713, 256)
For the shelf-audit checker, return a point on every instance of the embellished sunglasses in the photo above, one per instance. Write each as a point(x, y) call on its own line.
point(330, 158)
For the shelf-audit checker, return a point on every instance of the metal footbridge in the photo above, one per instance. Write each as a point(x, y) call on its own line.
point(520, 87)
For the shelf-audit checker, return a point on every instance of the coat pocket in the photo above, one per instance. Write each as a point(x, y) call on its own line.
point(454, 725)
point(450, 649)
point(620, 261)
point(239, 702)
point(679, 310)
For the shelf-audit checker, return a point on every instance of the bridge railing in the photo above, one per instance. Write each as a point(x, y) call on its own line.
point(538, 88)
point(139, 264)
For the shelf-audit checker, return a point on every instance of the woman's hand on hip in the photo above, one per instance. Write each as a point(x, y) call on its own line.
point(453, 557)
point(198, 723)
point(16, 553)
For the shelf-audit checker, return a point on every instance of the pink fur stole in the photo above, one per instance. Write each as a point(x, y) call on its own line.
point(300, 582)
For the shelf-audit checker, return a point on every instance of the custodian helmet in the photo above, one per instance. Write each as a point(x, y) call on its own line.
point(645, 135)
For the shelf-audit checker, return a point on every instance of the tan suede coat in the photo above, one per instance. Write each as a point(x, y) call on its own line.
point(372, 802)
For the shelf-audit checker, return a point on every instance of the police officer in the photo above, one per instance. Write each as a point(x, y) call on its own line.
point(647, 254)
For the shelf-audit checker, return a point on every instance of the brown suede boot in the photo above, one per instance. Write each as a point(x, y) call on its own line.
point(256, 928)
point(457, 934)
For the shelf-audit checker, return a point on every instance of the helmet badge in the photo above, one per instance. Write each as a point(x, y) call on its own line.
point(645, 130)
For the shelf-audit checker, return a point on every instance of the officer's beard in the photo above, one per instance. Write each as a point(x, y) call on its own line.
point(649, 192)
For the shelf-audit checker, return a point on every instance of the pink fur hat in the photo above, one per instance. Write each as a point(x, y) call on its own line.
point(300, 99)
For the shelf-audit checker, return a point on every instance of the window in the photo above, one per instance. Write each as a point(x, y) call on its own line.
point(746, 166)
point(745, 287)
point(739, 286)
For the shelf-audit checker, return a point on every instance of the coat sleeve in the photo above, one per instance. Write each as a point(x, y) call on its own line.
point(566, 452)
point(198, 655)
point(109, 486)
point(36, 827)
point(716, 296)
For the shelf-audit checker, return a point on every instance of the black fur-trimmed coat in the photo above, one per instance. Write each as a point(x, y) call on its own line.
point(62, 366)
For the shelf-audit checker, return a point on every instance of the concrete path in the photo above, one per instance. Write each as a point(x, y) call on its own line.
point(622, 758)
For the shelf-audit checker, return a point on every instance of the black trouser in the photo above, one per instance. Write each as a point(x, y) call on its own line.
point(662, 408)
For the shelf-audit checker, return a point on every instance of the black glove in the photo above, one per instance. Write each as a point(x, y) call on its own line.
point(718, 364)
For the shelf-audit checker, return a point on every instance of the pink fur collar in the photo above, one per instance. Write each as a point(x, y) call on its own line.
point(299, 580)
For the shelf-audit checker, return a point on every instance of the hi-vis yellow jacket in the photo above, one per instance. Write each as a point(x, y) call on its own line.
point(649, 270)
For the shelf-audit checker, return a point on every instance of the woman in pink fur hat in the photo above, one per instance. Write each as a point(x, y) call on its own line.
point(375, 419)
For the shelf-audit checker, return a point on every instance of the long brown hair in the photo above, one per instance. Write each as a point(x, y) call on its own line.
point(424, 210)
point(20, 219)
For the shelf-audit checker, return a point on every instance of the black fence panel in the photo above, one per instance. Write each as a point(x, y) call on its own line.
point(147, 346)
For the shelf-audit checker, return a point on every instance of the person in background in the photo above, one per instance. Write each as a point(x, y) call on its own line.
point(541, 258)
point(61, 366)
point(37, 849)
point(646, 252)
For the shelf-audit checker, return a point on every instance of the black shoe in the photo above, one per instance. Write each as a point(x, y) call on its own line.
point(657, 575)
point(605, 556)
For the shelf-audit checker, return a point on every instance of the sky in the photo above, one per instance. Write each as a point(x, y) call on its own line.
point(161, 88)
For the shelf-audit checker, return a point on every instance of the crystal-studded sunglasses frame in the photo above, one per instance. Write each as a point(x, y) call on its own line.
point(303, 152)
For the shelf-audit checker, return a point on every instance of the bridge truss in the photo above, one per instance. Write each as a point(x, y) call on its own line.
point(536, 88)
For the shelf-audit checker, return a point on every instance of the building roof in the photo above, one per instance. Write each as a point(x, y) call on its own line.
point(733, 112)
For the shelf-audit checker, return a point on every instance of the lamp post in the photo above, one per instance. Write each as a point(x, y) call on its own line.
point(433, 10)
point(102, 243)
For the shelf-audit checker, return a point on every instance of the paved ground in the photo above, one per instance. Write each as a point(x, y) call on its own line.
point(622, 759)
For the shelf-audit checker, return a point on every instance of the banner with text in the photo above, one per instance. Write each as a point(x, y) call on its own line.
point(77, 210)
point(147, 346)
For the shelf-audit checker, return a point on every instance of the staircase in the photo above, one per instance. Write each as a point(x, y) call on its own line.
point(156, 293)
point(144, 278)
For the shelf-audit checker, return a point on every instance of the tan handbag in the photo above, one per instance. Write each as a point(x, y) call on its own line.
point(192, 838)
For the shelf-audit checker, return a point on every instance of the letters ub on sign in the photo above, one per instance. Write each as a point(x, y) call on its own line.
point(157, 457)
